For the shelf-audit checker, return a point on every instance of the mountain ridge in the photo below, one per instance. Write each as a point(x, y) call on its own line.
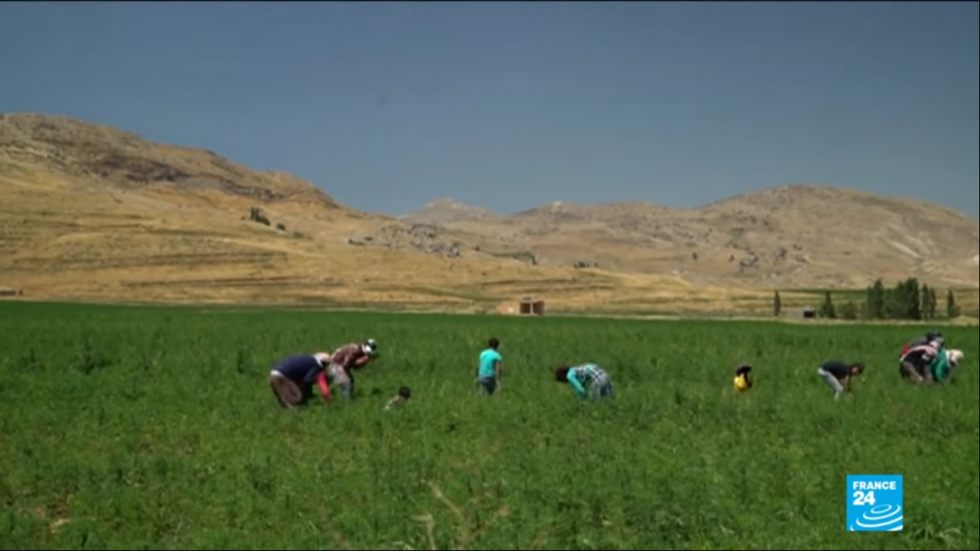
point(91, 211)
point(640, 203)
point(792, 235)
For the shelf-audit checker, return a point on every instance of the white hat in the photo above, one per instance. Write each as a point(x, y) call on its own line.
point(954, 356)
point(369, 347)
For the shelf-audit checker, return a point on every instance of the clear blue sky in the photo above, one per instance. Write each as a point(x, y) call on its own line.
point(512, 105)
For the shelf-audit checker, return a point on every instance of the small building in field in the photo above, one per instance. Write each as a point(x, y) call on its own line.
point(532, 307)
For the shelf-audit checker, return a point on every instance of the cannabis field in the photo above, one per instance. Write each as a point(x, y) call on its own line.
point(155, 428)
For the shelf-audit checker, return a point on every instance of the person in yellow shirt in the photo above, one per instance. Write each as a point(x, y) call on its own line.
point(743, 378)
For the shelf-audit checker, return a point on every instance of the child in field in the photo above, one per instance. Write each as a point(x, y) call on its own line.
point(838, 375)
point(587, 380)
point(488, 374)
point(292, 379)
point(404, 393)
point(743, 378)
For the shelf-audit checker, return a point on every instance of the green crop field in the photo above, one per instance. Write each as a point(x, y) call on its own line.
point(155, 428)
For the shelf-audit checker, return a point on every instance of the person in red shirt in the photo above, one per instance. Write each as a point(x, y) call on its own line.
point(348, 358)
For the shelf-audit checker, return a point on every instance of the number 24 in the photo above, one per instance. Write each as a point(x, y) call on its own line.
point(861, 498)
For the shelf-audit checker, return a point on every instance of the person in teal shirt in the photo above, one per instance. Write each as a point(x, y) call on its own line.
point(587, 380)
point(943, 365)
point(488, 376)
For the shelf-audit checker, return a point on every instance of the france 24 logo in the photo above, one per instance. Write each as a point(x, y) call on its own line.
point(875, 503)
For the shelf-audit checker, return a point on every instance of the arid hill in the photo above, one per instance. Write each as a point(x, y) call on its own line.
point(91, 212)
point(94, 213)
point(788, 237)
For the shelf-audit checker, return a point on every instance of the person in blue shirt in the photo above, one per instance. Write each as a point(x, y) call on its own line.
point(587, 380)
point(293, 378)
point(488, 375)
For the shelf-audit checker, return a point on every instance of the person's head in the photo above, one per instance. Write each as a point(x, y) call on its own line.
point(744, 371)
point(955, 357)
point(561, 374)
point(404, 393)
point(857, 368)
point(369, 347)
point(493, 343)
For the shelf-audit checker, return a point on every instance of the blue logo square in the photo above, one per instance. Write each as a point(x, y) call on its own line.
point(875, 503)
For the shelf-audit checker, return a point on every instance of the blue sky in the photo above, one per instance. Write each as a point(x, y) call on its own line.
point(513, 105)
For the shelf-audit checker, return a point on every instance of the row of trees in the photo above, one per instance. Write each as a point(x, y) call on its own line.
point(908, 300)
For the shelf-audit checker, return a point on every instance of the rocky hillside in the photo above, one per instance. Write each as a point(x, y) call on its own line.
point(85, 151)
point(94, 213)
point(794, 236)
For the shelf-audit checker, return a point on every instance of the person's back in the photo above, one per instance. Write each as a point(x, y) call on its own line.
point(590, 379)
point(743, 378)
point(488, 363)
point(488, 373)
point(928, 338)
point(587, 373)
point(346, 356)
point(302, 369)
point(292, 379)
point(838, 374)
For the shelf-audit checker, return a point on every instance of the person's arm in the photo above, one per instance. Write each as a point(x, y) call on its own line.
point(321, 380)
point(362, 361)
point(577, 385)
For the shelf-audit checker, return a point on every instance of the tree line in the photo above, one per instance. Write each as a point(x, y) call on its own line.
point(908, 300)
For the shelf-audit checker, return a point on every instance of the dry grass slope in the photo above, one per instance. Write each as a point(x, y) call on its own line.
point(94, 213)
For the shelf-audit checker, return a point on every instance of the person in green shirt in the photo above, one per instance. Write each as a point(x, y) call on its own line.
point(942, 367)
point(587, 380)
point(488, 375)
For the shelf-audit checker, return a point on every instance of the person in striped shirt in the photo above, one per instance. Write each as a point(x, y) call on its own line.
point(345, 360)
point(587, 380)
